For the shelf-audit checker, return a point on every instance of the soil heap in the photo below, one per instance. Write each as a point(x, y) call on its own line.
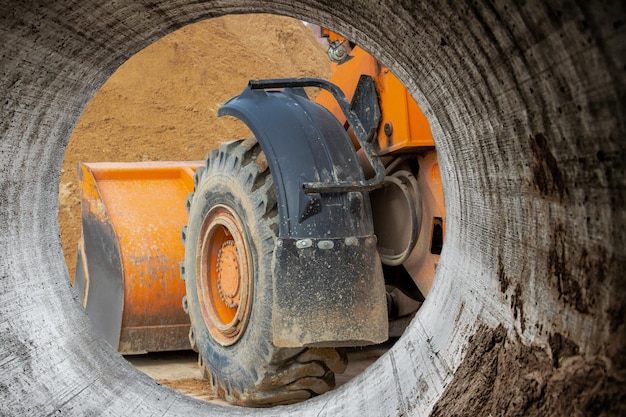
point(162, 103)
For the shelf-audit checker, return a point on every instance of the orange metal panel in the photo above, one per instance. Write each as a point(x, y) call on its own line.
point(409, 127)
point(144, 203)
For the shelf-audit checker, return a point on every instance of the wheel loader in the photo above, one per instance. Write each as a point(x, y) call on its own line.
point(321, 232)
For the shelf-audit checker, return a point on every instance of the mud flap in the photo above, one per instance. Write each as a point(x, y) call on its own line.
point(327, 293)
point(327, 282)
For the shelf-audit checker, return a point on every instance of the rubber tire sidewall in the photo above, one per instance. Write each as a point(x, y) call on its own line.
point(242, 362)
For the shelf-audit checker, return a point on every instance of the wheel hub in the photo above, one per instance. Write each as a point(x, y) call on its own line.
point(224, 266)
point(228, 276)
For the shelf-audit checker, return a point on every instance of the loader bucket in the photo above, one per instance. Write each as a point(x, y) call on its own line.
point(127, 270)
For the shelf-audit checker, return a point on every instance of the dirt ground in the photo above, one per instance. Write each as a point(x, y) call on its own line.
point(162, 103)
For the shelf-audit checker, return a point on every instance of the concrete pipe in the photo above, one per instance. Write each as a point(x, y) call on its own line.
point(526, 102)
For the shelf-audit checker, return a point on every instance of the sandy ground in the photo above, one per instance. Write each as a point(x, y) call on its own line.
point(162, 103)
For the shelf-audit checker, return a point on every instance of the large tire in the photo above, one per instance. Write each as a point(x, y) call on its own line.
point(229, 242)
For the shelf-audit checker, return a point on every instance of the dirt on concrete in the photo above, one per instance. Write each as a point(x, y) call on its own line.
point(504, 377)
point(162, 103)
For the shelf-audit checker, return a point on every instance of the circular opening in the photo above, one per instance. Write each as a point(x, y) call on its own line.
point(224, 284)
point(161, 105)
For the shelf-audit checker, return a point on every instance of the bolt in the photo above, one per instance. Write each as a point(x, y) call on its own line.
point(388, 129)
point(337, 52)
point(325, 244)
point(304, 243)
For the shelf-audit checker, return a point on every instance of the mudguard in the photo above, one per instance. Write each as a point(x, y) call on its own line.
point(328, 283)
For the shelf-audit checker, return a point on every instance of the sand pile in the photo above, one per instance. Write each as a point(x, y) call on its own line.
point(162, 103)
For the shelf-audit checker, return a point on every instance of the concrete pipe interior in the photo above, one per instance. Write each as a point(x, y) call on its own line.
point(526, 106)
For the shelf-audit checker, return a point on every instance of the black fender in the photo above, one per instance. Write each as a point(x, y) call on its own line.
point(304, 144)
point(327, 274)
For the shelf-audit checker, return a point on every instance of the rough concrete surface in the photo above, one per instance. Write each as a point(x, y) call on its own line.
point(526, 103)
